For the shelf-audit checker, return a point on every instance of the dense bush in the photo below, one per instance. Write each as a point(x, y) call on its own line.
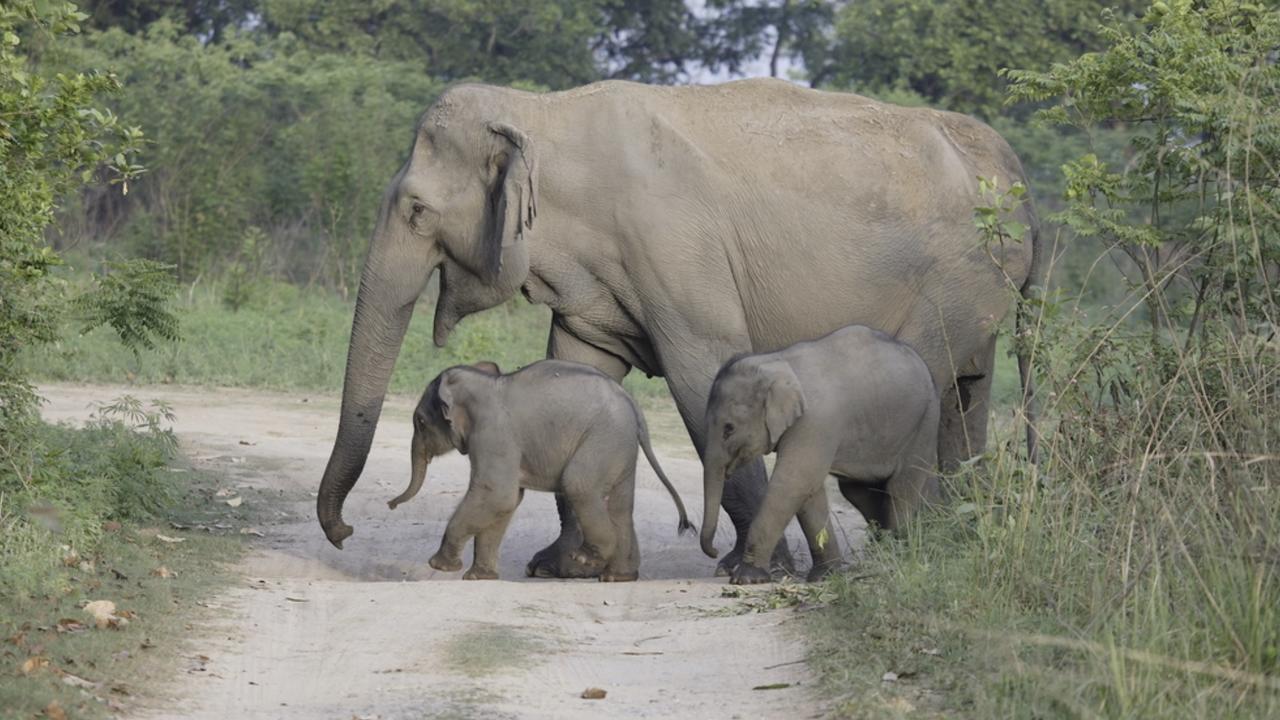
point(61, 484)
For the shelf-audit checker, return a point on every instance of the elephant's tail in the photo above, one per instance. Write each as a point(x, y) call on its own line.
point(1024, 323)
point(643, 435)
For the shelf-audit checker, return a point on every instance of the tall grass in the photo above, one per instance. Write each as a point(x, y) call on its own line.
point(1134, 573)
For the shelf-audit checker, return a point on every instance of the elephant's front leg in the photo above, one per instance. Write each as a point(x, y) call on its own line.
point(553, 560)
point(484, 504)
point(795, 478)
point(484, 565)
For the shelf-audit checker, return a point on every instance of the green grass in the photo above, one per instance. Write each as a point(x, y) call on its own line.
point(1135, 574)
point(80, 515)
point(287, 338)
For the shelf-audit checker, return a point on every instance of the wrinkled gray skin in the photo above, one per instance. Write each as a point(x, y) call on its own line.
point(856, 404)
point(671, 228)
point(554, 426)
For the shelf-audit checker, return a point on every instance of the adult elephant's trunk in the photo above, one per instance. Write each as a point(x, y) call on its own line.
point(713, 474)
point(376, 335)
point(394, 276)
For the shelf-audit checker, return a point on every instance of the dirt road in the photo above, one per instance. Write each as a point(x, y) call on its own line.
point(373, 632)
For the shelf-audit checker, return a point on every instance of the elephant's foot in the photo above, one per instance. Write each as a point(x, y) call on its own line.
point(614, 576)
point(746, 574)
point(820, 571)
point(440, 561)
point(550, 560)
point(588, 558)
point(479, 573)
point(729, 562)
point(780, 564)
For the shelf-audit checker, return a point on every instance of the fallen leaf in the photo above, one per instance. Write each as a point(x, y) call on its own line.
point(162, 572)
point(71, 559)
point(78, 682)
point(889, 677)
point(33, 664)
point(295, 599)
point(772, 686)
point(178, 526)
point(111, 526)
point(593, 693)
point(54, 711)
point(105, 616)
point(930, 651)
point(100, 609)
point(224, 492)
point(70, 625)
point(166, 538)
point(252, 531)
point(235, 501)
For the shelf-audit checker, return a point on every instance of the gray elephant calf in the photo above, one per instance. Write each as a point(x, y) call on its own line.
point(554, 426)
point(856, 404)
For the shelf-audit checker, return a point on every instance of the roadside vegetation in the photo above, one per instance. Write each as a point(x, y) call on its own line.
point(1135, 572)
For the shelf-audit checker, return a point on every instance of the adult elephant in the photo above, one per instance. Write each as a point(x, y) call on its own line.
point(671, 228)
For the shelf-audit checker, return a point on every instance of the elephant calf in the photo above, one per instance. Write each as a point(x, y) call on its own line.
point(554, 426)
point(856, 404)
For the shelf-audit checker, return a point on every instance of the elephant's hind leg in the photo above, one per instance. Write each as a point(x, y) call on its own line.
point(914, 486)
point(870, 500)
point(624, 566)
point(553, 560)
point(966, 403)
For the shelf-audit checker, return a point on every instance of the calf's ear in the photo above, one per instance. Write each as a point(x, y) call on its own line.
point(783, 402)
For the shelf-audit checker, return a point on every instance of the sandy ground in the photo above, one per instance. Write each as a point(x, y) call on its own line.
point(373, 632)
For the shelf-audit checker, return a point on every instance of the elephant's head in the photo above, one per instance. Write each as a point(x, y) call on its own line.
point(752, 403)
point(439, 427)
point(464, 202)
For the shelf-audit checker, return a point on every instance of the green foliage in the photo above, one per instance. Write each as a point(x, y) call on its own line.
point(251, 133)
point(132, 297)
point(545, 42)
point(1132, 573)
point(60, 484)
point(53, 138)
point(1194, 208)
point(951, 51)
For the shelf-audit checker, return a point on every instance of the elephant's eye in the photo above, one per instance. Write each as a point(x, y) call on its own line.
point(418, 210)
point(728, 430)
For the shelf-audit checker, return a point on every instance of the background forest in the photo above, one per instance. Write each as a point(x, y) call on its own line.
point(199, 178)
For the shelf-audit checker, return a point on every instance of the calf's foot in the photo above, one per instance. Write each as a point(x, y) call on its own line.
point(443, 562)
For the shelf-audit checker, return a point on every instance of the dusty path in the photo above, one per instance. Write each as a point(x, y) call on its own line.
point(373, 632)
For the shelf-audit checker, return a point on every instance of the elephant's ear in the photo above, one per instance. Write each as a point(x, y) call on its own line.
point(453, 412)
point(513, 201)
point(485, 366)
point(783, 402)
